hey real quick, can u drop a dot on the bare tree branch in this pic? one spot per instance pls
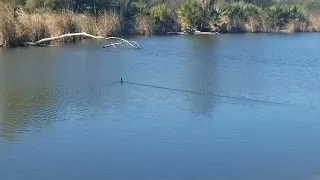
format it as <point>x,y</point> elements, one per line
<point>118,41</point>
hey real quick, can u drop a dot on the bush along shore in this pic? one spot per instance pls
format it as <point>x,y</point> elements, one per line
<point>32,20</point>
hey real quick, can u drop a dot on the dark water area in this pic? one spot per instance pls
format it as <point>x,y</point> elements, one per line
<point>191,107</point>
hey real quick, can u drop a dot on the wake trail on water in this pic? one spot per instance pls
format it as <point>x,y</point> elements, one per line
<point>209,94</point>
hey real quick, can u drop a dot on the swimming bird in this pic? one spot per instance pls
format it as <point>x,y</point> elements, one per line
<point>121,81</point>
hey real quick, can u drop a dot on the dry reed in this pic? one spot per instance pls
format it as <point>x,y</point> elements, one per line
<point>26,27</point>
<point>108,23</point>
<point>143,25</point>
<point>315,22</point>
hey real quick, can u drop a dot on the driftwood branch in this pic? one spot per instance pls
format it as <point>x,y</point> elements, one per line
<point>114,41</point>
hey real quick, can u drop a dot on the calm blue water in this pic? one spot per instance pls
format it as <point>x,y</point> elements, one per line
<point>191,107</point>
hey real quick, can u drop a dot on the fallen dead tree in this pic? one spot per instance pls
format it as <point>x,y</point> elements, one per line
<point>113,41</point>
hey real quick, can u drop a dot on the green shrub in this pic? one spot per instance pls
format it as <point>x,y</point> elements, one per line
<point>190,14</point>
<point>137,8</point>
<point>162,19</point>
<point>241,10</point>
<point>242,17</point>
<point>33,5</point>
<point>281,14</point>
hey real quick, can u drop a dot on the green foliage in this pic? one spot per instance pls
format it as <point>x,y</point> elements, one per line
<point>241,10</point>
<point>140,8</point>
<point>161,18</point>
<point>263,3</point>
<point>191,13</point>
<point>137,8</point>
<point>196,14</point>
<point>32,5</point>
<point>284,11</point>
<point>159,12</point>
<point>281,14</point>
<point>91,5</point>
<point>13,3</point>
<point>63,4</point>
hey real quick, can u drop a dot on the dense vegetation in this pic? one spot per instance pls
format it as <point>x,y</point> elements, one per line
<point>30,20</point>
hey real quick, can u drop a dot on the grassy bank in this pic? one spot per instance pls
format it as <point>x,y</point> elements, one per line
<point>30,27</point>
<point>24,25</point>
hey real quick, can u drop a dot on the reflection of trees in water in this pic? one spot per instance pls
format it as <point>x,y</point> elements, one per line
<point>18,110</point>
<point>35,91</point>
<point>23,79</point>
<point>202,72</point>
<point>28,109</point>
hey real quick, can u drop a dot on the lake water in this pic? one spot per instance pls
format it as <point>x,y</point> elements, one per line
<point>219,107</point>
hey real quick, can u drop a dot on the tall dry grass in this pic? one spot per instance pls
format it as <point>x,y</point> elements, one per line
<point>315,22</point>
<point>296,26</point>
<point>30,27</point>
<point>237,25</point>
<point>9,29</point>
<point>143,25</point>
<point>108,23</point>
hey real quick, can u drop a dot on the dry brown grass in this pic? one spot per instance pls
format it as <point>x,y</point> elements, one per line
<point>252,25</point>
<point>87,23</point>
<point>256,25</point>
<point>108,23</point>
<point>315,22</point>
<point>61,23</point>
<point>32,27</point>
<point>143,25</point>
<point>8,27</point>
<point>296,26</point>
<point>227,25</point>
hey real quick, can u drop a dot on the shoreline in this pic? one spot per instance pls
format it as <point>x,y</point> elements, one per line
<point>23,28</point>
<point>178,33</point>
